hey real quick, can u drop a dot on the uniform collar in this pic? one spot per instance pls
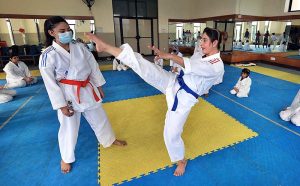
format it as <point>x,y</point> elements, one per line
<point>61,49</point>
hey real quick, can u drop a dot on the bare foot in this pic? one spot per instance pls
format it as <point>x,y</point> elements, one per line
<point>180,167</point>
<point>119,143</point>
<point>65,167</point>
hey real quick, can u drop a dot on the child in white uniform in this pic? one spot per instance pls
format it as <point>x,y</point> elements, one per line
<point>196,77</point>
<point>242,87</point>
<point>17,73</point>
<point>73,82</point>
<point>292,113</point>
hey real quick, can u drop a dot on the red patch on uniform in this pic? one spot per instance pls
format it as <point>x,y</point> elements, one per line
<point>214,60</point>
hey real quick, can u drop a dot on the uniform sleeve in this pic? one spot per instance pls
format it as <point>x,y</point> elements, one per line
<point>201,68</point>
<point>245,85</point>
<point>237,83</point>
<point>27,71</point>
<point>11,73</point>
<point>55,93</point>
<point>96,76</point>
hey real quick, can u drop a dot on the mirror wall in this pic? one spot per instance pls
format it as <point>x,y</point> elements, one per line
<point>31,31</point>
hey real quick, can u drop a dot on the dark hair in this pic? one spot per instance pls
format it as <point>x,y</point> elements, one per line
<point>213,35</point>
<point>13,54</point>
<point>247,41</point>
<point>246,71</point>
<point>49,24</point>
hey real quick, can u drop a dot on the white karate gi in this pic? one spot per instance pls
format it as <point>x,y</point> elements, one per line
<point>282,48</point>
<point>159,62</point>
<point>15,75</point>
<point>292,113</point>
<point>57,64</point>
<point>246,47</point>
<point>118,66</point>
<point>200,75</point>
<point>239,45</point>
<point>174,65</point>
<point>274,41</point>
<point>243,86</point>
<point>6,95</point>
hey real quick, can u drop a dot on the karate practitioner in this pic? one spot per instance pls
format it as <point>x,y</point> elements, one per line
<point>6,95</point>
<point>73,82</point>
<point>242,87</point>
<point>292,113</point>
<point>274,40</point>
<point>17,73</point>
<point>182,91</point>
<point>175,68</point>
<point>118,65</point>
<point>247,46</point>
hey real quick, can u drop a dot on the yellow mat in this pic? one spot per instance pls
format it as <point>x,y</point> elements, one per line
<point>140,121</point>
<point>275,73</point>
<point>37,72</point>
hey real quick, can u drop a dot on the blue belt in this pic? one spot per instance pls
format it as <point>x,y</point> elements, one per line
<point>184,87</point>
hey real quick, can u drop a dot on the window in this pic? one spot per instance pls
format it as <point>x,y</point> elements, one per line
<point>179,30</point>
<point>238,31</point>
<point>72,24</point>
<point>92,26</point>
<point>267,26</point>
<point>37,23</point>
<point>10,31</point>
<point>254,27</point>
<point>135,8</point>
<point>294,5</point>
<point>197,28</point>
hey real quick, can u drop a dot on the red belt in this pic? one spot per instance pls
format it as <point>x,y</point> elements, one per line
<point>80,84</point>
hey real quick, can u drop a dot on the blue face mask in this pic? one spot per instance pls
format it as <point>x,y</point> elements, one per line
<point>65,37</point>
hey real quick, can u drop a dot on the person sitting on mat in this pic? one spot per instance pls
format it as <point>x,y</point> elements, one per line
<point>17,73</point>
<point>242,87</point>
<point>6,95</point>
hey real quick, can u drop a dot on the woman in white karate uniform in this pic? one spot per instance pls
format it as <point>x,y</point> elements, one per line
<point>17,73</point>
<point>73,82</point>
<point>195,78</point>
<point>242,87</point>
<point>6,95</point>
<point>292,113</point>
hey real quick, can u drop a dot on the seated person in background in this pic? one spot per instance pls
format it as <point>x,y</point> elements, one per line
<point>247,45</point>
<point>242,87</point>
<point>234,44</point>
<point>118,65</point>
<point>174,66</point>
<point>6,95</point>
<point>282,47</point>
<point>239,45</point>
<point>17,73</point>
<point>292,113</point>
<point>159,62</point>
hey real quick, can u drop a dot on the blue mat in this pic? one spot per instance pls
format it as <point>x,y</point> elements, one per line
<point>30,154</point>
